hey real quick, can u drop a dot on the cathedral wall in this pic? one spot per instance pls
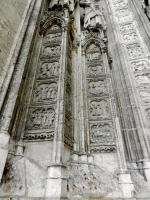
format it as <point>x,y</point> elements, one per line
<point>11,15</point>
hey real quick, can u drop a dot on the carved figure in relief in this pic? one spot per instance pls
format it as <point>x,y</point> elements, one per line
<point>126,28</point>
<point>45,92</point>
<point>100,133</point>
<point>99,109</point>
<point>58,4</point>
<point>123,19</point>
<point>53,37</point>
<point>140,65</point>
<point>143,78</point>
<point>96,87</point>
<point>130,37</point>
<point>93,15</point>
<point>134,50</point>
<point>122,12</point>
<point>49,69</point>
<point>51,51</point>
<point>95,70</point>
<point>41,118</point>
<point>93,56</point>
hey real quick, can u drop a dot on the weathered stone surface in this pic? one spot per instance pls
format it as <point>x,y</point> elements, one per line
<point>75,100</point>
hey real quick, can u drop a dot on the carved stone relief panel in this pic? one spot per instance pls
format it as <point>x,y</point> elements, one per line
<point>143,78</point>
<point>119,5</point>
<point>48,69</point>
<point>95,69</point>
<point>135,50</point>
<point>93,53</point>
<point>41,118</point>
<point>99,109</point>
<point>98,84</point>
<point>124,19</point>
<point>45,92</point>
<point>122,12</point>
<point>97,87</point>
<point>141,65</point>
<point>51,52</point>
<point>102,133</point>
<point>127,28</point>
<point>130,38</point>
<point>53,38</point>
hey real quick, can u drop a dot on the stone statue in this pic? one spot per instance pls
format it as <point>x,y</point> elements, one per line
<point>58,4</point>
<point>93,15</point>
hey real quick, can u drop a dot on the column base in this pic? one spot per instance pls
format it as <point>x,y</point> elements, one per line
<point>126,184</point>
<point>4,140</point>
<point>56,182</point>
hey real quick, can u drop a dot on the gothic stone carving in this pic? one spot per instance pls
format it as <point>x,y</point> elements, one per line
<point>126,28</point>
<point>51,52</point>
<point>143,78</point>
<point>40,136</point>
<point>103,149</point>
<point>48,69</point>
<point>135,50</point>
<point>95,69</point>
<point>99,109</point>
<point>130,38</point>
<point>97,87</point>
<point>141,65</point>
<point>45,92</point>
<point>40,118</point>
<point>102,133</point>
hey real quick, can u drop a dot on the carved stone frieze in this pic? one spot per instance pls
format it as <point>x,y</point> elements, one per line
<point>40,136</point>
<point>45,92</point>
<point>124,19</point>
<point>135,50</point>
<point>68,141</point>
<point>102,133</point>
<point>119,5</point>
<point>48,69</point>
<point>141,65</point>
<point>126,28</point>
<point>95,69</point>
<point>99,109</point>
<point>51,52</point>
<point>51,39</point>
<point>103,149</point>
<point>122,12</point>
<point>130,37</point>
<point>143,78</point>
<point>97,87</point>
<point>41,118</point>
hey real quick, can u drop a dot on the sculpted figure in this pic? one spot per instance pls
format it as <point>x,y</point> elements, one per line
<point>93,16</point>
<point>58,5</point>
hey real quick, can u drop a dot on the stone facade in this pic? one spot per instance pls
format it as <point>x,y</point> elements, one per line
<point>75,100</point>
